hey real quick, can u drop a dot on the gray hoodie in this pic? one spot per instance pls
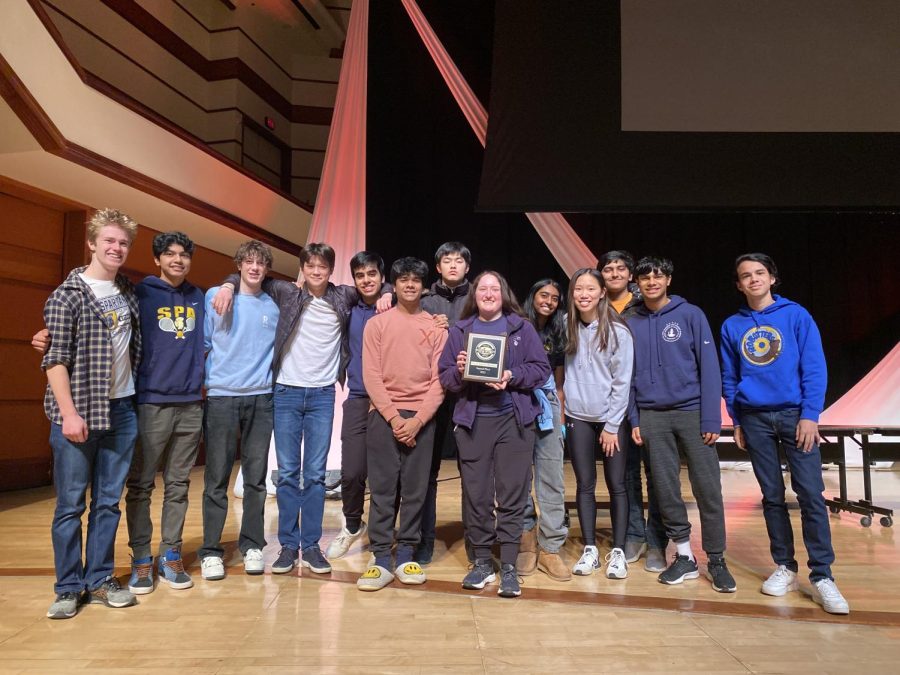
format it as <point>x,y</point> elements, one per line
<point>598,383</point>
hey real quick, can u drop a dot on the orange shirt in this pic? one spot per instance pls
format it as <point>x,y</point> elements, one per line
<point>620,304</point>
<point>400,363</point>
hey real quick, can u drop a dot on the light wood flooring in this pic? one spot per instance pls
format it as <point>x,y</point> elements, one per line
<point>321,624</point>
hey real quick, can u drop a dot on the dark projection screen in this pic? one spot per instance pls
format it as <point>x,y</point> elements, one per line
<point>683,105</point>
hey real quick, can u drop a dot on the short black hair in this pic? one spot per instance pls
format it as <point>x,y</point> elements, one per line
<point>651,263</point>
<point>409,265</point>
<point>324,251</point>
<point>612,256</point>
<point>163,240</point>
<point>366,259</point>
<point>449,247</point>
<point>764,260</point>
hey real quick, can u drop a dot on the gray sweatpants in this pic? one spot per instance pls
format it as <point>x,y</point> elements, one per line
<point>665,432</point>
<point>170,438</point>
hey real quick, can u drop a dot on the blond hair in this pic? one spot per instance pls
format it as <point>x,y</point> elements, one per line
<point>104,217</point>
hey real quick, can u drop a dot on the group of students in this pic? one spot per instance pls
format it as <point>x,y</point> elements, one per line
<point>628,371</point>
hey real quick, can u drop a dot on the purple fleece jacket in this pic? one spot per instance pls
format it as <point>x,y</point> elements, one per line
<point>525,358</point>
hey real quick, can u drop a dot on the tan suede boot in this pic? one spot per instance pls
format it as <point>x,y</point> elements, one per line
<point>553,566</point>
<point>526,562</point>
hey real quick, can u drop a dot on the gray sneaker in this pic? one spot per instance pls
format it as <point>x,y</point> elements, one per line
<point>64,607</point>
<point>656,560</point>
<point>509,582</point>
<point>481,574</point>
<point>634,550</point>
<point>109,593</point>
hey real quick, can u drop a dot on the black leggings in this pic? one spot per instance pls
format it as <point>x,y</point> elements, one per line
<point>583,441</point>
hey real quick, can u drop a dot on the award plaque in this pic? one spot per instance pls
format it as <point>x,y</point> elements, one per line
<point>486,357</point>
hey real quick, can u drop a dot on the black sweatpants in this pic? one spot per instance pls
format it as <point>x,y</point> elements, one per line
<point>495,464</point>
<point>394,466</point>
<point>353,460</point>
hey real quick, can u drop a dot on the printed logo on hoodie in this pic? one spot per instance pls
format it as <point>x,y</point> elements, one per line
<point>178,320</point>
<point>761,345</point>
<point>672,332</point>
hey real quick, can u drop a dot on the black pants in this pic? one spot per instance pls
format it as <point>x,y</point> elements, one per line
<point>495,464</point>
<point>394,466</point>
<point>353,460</point>
<point>444,446</point>
<point>583,440</point>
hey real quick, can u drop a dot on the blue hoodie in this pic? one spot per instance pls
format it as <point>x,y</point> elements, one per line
<point>676,365</point>
<point>171,369</point>
<point>772,360</point>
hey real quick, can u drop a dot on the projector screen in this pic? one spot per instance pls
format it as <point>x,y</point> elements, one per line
<point>642,105</point>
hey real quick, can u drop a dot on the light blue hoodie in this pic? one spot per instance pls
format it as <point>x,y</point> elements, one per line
<point>598,383</point>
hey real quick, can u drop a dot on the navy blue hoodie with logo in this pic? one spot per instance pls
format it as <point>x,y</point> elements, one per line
<point>171,369</point>
<point>676,364</point>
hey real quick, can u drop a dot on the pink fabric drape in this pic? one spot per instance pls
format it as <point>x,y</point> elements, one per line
<point>567,247</point>
<point>873,401</point>
<point>339,217</point>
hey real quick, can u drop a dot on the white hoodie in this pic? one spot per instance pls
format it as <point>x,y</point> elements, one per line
<point>598,383</point>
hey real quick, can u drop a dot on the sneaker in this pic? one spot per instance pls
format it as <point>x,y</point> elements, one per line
<point>826,593</point>
<point>253,561</point>
<point>424,553</point>
<point>634,550</point>
<point>681,568</point>
<point>171,570</point>
<point>781,581</point>
<point>64,607</point>
<point>717,572</point>
<point>313,559</point>
<point>616,565</point>
<point>374,578</point>
<point>588,562</point>
<point>481,574</point>
<point>553,566</point>
<point>212,568</point>
<point>141,580</point>
<point>344,541</point>
<point>509,582</point>
<point>410,573</point>
<point>111,594</point>
<point>656,560</point>
<point>286,561</point>
<point>527,560</point>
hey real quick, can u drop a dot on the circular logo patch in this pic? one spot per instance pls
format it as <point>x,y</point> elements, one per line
<point>761,345</point>
<point>485,350</point>
<point>672,332</point>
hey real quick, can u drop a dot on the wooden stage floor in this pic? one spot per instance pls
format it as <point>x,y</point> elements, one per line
<point>321,624</point>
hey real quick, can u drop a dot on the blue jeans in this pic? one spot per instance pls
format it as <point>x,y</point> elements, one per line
<point>101,463</point>
<point>302,414</point>
<point>763,431</point>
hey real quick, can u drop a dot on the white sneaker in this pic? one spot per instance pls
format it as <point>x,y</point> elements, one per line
<point>342,543</point>
<point>781,581</point>
<point>826,593</point>
<point>212,568</point>
<point>616,567</point>
<point>588,562</point>
<point>253,561</point>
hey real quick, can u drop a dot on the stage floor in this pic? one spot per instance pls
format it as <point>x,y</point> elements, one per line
<point>318,623</point>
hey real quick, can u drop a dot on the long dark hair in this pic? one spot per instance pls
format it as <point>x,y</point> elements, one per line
<point>508,299</point>
<point>556,322</point>
<point>606,315</point>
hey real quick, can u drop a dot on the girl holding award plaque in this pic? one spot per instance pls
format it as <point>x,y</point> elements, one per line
<point>494,360</point>
<point>599,364</point>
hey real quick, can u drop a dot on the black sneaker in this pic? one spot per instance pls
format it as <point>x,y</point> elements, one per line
<point>481,574</point>
<point>286,561</point>
<point>424,553</point>
<point>313,559</point>
<point>681,568</point>
<point>509,582</point>
<point>717,572</point>
<point>111,594</point>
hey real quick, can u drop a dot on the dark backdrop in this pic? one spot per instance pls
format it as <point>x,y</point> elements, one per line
<point>424,167</point>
